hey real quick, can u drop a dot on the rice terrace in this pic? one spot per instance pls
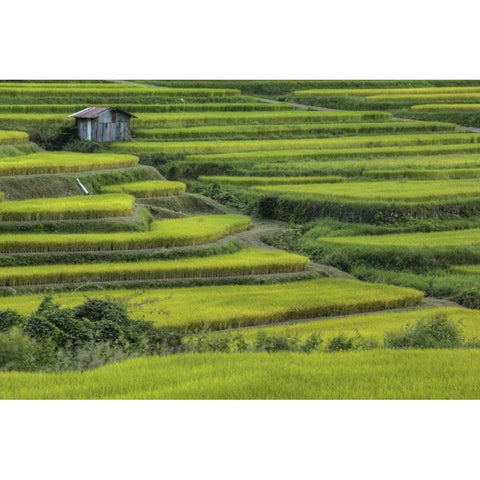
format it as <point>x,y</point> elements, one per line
<point>182,239</point>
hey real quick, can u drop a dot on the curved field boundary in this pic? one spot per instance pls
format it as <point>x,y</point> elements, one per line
<point>379,374</point>
<point>381,190</point>
<point>68,208</point>
<point>249,261</point>
<point>8,137</point>
<point>368,92</point>
<point>147,120</point>
<point>62,162</point>
<point>250,181</point>
<point>165,233</point>
<point>237,147</point>
<point>286,131</point>
<point>149,188</point>
<point>241,305</point>
<point>150,107</point>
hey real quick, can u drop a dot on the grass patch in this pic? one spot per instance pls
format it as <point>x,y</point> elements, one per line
<point>286,131</point>
<point>241,305</point>
<point>249,261</point>
<point>372,141</point>
<point>238,118</point>
<point>12,138</point>
<point>62,162</point>
<point>67,208</point>
<point>250,181</point>
<point>165,233</point>
<point>371,325</point>
<point>151,188</point>
<point>385,191</point>
<point>377,374</point>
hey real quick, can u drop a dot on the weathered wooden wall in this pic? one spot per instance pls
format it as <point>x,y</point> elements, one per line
<point>108,127</point>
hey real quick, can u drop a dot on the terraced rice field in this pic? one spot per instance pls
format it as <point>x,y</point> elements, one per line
<point>248,261</point>
<point>385,191</point>
<point>12,138</point>
<point>239,118</point>
<point>349,181</point>
<point>288,131</point>
<point>380,374</point>
<point>152,188</point>
<point>226,306</point>
<point>60,162</point>
<point>165,233</point>
<point>359,167</point>
<point>423,240</point>
<point>370,325</point>
<point>221,146</point>
<point>250,181</point>
<point>84,207</point>
<point>67,109</point>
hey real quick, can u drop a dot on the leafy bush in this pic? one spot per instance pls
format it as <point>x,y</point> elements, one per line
<point>17,350</point>
<point>435,332</point>
<point>9,318</point>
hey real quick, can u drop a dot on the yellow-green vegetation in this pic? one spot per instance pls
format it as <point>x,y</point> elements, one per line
<point>29,119</point>
<point>371,325</point>
<point>248,181</point>
<point>466,269</point>
<point>165,233</point>
<point>58,162</point>
<point>121,91</point>
<point>150,188</point>
<point>287,130</point>
<point>368,141</point>
<point>377,374</point>
<point>148,107</point>
<point>422,173</point>
<point>230,306</point>
<point>255,157</point>
<point>8,137</point>
<point>249,261</point>
<point>363,167</point>
<point>68,208</point>
<point>190,119</point>
<point>424,240</point>
<point>385,191</point>
<point>447,107</point>
<point>434,97</point>
<point>368,92</point>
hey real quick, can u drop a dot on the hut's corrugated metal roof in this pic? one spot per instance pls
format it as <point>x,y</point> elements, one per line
<point>94,112</point>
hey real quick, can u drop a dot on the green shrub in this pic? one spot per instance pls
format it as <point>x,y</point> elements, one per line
<point>9,318</point>
<point>17,350</point>
<point>435,332</point>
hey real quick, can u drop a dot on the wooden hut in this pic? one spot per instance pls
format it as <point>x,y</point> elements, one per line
<point>103,124</point>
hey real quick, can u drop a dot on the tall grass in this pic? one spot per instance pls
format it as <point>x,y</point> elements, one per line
<point>149,188</point>
<point>67,208</point>
<point>370,325</point>
<point>381,190</point>
<point>368,92</point>
<point>230,306</point>
<point>376,374</point>
<point>165,233</point>
<point>151,120</point>
<point>12,137</point>
<point>250,261</point>
<point>60,162</point>
<point>253,157</point>
<point>226,146</point>
<point>250,181</point>
<point>290,130</point>
<point>149,107</point>
<point>447,107</point>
